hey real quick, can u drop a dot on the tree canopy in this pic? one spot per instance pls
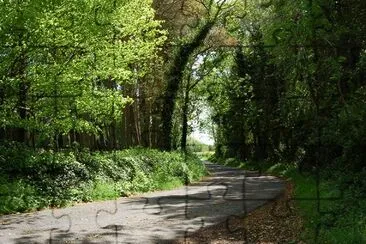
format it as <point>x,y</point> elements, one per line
<point>279,78</point>
<point>65,63</point>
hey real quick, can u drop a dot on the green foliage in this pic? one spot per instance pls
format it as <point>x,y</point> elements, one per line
<point>345,222</point>
<point>102,190</point>
<point>37,179</point>
<point>65,62</point>
<point>18,196</point>
<point>295,93</point>
<point>342,220</point>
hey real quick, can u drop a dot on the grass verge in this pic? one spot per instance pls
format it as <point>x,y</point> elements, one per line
<point>339,216</point>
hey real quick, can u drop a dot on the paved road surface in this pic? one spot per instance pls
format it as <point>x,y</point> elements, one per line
<point>148,218</point>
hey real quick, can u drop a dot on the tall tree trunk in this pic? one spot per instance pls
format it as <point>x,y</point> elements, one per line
<point>174,78</point>
<point>124,129</point>
<point>136,108</point>
<point>19,71</point>
<point>2,129</point>
<point>183,143</point>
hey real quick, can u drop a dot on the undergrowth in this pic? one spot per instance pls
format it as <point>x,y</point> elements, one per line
<point>35,179</point>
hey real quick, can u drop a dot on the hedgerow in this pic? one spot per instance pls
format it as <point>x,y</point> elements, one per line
<point>34,179</point>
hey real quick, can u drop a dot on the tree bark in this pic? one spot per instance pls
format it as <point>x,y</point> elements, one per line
<point>174,78</point>
<point>19,70</point>
<point>183,143</point>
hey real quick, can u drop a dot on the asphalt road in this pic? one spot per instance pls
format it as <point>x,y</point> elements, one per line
<point>156,217</point>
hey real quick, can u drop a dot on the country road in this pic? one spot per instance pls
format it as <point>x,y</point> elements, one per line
<point>156,217</point>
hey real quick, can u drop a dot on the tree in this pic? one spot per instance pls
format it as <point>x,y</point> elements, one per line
<point>204,63</point>
<point>293,81</point>
<point>179,62</point>
<point>66,63</point>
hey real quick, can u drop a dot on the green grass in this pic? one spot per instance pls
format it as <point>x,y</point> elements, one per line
<point>103,190</point>
<point>169,184</point>
<point>337,221</point>
<point>32,180</point>
<point>341,218</point>
<point>332,221</point>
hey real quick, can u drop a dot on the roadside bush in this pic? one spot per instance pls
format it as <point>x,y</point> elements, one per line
<point>34,179</point>
<point>18,196</point>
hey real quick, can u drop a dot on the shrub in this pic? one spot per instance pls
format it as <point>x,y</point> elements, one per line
<point>34,179</point>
